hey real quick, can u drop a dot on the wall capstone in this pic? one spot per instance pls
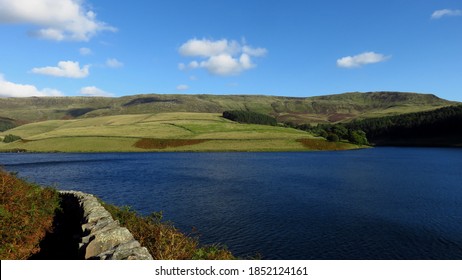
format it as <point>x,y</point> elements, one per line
<point>103,238</point>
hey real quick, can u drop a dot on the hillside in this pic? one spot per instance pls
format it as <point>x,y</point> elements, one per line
<point>440,127</point>
<point>161,132</point>
<point>321,109</point>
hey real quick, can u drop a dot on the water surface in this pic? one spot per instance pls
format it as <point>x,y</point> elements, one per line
<point>381,203</point>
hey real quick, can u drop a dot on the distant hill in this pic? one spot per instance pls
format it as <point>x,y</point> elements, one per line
<point>320,109</point>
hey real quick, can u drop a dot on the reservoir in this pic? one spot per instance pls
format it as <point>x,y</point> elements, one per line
<point>380,203</point>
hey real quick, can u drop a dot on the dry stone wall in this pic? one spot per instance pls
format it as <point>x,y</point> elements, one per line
<point>103,238</point>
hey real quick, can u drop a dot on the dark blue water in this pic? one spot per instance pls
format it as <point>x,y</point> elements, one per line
<point>382,203</point>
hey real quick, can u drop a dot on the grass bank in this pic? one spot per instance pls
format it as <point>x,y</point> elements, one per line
<point>163,240</point>
<point>27,212</point>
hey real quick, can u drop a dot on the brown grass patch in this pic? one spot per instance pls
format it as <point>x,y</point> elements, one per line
<point>339,117</point>
<point>26,215</point>
<point>322,145</point>
<point>150,143</point>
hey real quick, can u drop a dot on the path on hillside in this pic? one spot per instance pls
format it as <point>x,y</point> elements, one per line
<point>63,242</point>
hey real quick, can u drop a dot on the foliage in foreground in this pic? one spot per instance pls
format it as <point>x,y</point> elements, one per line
<point>26,215</point>
<point>162,239</point>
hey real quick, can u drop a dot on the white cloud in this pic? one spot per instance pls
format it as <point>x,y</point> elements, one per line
<point>445,12</point>
<point>68,69</point>
<point>114,63</point>
<point>221,57</point>
<point>57,20</point>
<point>182,87</point>
<point>85,51</point>
<point>361,59</point>
<point>94,91</point>
<point>254,51</point>
<point>207,48</point>
<point>10,89</point>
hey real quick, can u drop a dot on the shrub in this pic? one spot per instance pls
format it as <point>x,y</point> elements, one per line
<point>11,138</point>
<point>357,137</point>
<point>331,137</point>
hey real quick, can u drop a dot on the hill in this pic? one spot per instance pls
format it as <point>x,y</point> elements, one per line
<point>161,132</point>
<point>320,109</point>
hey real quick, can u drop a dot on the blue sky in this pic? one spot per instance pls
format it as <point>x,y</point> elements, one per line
<point>287,48</point>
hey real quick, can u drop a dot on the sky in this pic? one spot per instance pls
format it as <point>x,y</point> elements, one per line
<point>296,48</point>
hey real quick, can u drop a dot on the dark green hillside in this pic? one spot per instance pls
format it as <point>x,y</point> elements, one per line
<point>249,117</point>
<point>441,127</point>
<point>6,123</point>
<point>320,109</point>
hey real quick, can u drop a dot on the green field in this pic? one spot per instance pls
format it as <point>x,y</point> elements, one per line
<point>121,133</point>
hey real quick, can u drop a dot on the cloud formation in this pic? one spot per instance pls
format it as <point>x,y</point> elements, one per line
<point>114,63</point>
<point>446,13</point>
<point>221,57</point>
<point>94,91</point>
<point>10,89</point>
<point>67,69</point>
<point>57,20</point>
<point>361,60</point>
<point>182,87</point>
<point>85,51</point>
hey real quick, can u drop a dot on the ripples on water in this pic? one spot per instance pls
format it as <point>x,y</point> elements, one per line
<point>382,203</point>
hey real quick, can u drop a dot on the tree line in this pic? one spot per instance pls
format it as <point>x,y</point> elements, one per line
<point>443,122</point>
<point>334,132</point>
<point>249,117</point>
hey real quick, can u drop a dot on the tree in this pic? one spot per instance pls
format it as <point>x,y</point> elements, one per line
<point>11,138</point>
<point>357,137</point>
<point>332,137</point>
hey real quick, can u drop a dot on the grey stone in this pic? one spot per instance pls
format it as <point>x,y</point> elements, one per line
<point>107,240</point>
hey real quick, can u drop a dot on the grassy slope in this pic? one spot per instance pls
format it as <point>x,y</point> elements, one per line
<point>120,133</point>
<point>330,108</point>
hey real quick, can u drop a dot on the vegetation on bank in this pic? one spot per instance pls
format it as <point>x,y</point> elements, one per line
<point>163,240</point>
<point>149,143</point>
<point>26,216</point>
<point>319,145</point>
<point>335,132</point>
